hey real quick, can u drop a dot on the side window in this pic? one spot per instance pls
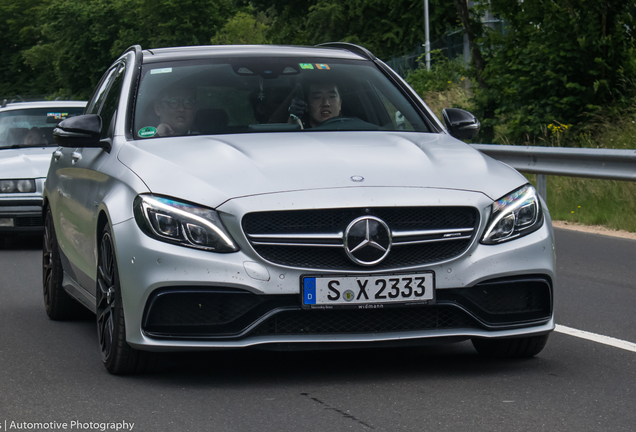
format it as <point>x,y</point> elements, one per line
<point>111,102</point>
<point>98,98</point>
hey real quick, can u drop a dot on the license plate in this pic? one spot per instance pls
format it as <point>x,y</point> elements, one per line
<point>320,292</point>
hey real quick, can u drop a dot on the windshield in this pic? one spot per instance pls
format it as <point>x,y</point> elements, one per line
<point>32,127</point>
<point>283,94</point>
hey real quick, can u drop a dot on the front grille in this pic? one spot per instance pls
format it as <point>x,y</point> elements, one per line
<point>351,321</point>
<point>336,259</point>
<point>335,220</point>
<point>33,221</point>
<point>314,238</point>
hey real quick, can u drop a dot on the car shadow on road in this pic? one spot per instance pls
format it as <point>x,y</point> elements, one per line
<point>248,367</point>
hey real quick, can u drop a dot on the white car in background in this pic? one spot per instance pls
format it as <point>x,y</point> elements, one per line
<point>26,144</point>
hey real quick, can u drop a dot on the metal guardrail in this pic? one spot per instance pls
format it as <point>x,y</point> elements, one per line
<point>608,164</point>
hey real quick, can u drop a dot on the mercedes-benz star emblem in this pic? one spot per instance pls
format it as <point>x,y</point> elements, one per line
<point>367,240</point>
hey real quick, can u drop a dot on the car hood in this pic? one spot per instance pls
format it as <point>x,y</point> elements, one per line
<point>30,162</point>
<point>213,169</point>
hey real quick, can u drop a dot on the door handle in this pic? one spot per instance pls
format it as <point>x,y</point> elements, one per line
<point>57,155</point>
<point>75,156</point>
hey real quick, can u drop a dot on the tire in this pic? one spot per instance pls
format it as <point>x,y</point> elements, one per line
<point>57,303</point>
<point>523,347</point>
<point>118,357</point>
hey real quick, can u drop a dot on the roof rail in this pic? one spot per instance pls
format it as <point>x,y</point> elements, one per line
<point>136,48</point>
<point>362,52</point>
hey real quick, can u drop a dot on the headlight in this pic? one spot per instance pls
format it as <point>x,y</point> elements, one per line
<point>515,215</point>
<point>15,186</point>
<point>182,223</point>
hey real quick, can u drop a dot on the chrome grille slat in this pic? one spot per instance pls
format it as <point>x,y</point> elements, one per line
<point>414,242</point>
<point>336,236</point>
<point>298,244</point>
<point>430,232</point>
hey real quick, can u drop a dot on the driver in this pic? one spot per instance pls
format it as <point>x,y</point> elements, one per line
<point>176,108</point>
<point>34,137</point>
<point>323,103</point>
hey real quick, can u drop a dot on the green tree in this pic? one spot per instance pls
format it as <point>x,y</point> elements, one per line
<point>81,38</point>
<point>19,30</point>
<point>76,43</point>
<point>386,27</point>
<point>558,62</point>
<point>243,28</point>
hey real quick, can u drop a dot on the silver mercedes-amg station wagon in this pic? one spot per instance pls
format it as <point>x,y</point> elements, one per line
<point>286,198</point>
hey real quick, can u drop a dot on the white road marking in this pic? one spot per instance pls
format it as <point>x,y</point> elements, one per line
<point>618,343</point>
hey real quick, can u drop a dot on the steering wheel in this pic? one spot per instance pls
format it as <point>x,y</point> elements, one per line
<point>334,120</point>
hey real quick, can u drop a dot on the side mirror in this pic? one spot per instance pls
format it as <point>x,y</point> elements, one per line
<point>460,123</point>
<point>79,131</point>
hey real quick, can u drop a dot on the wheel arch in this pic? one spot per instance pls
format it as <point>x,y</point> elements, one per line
<point>45,206</point>
<point>102,220</point>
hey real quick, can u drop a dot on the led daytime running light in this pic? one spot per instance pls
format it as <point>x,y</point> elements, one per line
<point>512,206</point>
<point>151,209</point>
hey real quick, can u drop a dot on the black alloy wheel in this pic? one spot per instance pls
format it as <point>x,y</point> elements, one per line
<point>106,296</point>
<point>57,303</point>
<point>118,357</point>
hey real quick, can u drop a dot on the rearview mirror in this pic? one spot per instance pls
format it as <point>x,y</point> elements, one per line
<point>460,123</point>
<point>79,131</point>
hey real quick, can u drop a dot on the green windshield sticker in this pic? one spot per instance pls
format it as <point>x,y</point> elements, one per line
<point>147,132</point>
<point>306,66</point>
<point>158,71</point>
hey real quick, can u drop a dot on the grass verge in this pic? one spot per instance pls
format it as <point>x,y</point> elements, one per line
<point>609,203</point>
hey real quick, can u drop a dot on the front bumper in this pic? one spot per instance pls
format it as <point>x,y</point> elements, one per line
<point>149,269</point>
<point>22,212</point>
<point>21,215</point>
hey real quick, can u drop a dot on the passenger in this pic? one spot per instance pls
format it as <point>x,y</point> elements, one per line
<point>34,137</point>
<point>323,103</point>
<point>176,108</point>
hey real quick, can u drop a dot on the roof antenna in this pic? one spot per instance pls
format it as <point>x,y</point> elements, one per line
<point>21,98</point>
<point>4,103</point>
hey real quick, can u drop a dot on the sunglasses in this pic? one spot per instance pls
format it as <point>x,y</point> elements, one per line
<point>174,103</point>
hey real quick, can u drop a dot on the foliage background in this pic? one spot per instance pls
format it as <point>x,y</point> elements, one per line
<point>570,64</point>
<point>565,62</point>
<point>61,47</point>
<point>561,73</point>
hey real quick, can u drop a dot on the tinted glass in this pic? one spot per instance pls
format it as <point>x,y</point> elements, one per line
<point>98,98</point>
<point>111,102</point>
<point>32,127</point>
<point>256,95</point>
